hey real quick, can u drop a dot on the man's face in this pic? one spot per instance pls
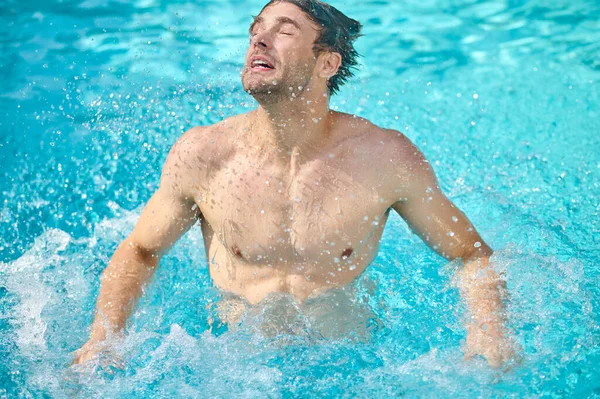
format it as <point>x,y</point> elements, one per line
<point>280,55</point>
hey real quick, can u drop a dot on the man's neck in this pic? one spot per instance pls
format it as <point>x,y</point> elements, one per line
<point>294,126</point>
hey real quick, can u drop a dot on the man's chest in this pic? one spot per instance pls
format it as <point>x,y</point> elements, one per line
<point>325,213</point>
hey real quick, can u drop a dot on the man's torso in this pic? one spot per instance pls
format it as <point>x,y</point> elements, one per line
<point>298,228</point>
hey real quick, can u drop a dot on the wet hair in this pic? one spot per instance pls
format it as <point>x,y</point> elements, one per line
<point>338,33</point>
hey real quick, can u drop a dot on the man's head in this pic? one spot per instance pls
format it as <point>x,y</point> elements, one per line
<point>297,44</point>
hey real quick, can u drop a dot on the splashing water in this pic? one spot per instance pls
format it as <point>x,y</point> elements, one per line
<point>503,100</point>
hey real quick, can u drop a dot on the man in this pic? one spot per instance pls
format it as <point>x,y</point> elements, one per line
<point>293,197</point>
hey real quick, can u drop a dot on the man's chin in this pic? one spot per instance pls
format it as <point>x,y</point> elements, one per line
<point>261,88</point>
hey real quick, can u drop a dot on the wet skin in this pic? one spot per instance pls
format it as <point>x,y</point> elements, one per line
<point>276,224</point>
<point>293,198</point>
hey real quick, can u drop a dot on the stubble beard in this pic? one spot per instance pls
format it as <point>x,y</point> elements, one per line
<point>288,87</point>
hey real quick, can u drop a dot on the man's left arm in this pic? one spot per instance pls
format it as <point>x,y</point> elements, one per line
<point>434,218</point>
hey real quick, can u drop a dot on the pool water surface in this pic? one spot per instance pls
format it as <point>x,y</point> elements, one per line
<point>501,96</point>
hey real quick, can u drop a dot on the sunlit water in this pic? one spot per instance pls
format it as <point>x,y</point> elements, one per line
<point>501,96</point>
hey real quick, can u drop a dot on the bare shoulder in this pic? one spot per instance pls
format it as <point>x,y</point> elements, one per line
<point>353,126</point>
<point>393,160</point>
<point>200,151</point>
<point>402,151</point>
<point>202,145</point>
<point>388,144</point>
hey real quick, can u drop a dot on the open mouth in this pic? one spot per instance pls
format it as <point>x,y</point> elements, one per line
<point>260,64</point>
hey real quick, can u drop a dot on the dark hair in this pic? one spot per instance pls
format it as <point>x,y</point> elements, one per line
<point>338,33</point>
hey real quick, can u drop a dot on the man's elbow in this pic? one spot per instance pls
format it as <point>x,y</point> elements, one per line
<point>131,250</point>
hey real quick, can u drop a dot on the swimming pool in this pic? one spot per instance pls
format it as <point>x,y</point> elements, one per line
<point>501,96</point>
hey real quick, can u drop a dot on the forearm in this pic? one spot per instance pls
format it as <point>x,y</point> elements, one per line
<point>122,284</point>
<point>483,290</point>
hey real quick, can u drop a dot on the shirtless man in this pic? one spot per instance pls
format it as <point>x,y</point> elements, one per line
<point>293,197</point>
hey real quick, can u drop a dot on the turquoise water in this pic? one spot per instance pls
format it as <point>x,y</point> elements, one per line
<point>501,96</point>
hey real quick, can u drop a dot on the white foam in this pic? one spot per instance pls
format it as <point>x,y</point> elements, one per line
<point>23,278</point>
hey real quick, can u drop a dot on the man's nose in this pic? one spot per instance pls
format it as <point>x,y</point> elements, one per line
<point>262,40</point>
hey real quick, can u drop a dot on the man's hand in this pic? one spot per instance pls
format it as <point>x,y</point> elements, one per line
<point>491,341</point>
<point>89,351</point>
<point>101,353</point>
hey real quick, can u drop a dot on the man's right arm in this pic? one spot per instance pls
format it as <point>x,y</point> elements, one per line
<point>167,216</point>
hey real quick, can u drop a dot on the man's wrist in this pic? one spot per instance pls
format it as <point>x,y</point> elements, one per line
<point>494,327</point>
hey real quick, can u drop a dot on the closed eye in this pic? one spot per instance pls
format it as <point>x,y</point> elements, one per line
<point>287,29</point>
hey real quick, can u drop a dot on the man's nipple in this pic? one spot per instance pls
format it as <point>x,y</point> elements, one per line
<point>346,254</point>
<point>237,251</point>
